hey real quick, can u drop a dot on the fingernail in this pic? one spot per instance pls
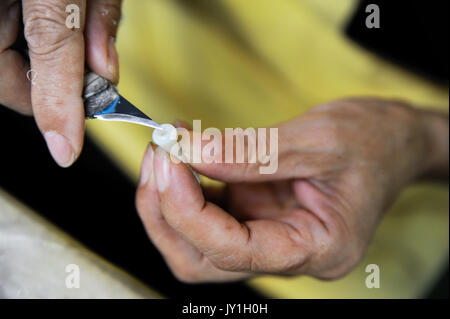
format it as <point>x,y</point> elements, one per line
<point>147,166</point>
<point>60,148</point>
<point>113,59</point>
<point>162,169</point>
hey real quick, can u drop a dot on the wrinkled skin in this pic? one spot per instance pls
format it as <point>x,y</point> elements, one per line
<point>340,167</point>
<point>57,58</point>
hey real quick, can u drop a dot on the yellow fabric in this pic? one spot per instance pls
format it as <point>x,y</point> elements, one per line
<point>255,63</point>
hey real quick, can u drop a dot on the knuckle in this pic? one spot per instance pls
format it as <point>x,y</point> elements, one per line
<point>356,249</point>
<point>345,267</point>
<point>331,133</point>
<point>351,250</point>
<point>48,103</point>
<point>226,265</point>
<point>249,170</point>
<point>186,273</point>
<point>45,29</point>
<point>49,110</point>
<point>333,274</point>
<point>50,115</point>
<point>230,262</point>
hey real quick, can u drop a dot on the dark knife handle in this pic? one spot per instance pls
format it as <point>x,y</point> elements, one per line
<point>98,94</point>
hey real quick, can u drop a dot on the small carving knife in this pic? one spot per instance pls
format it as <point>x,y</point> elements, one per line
<point>103,101</point>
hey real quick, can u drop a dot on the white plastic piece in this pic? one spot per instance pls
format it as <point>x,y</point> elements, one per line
<point>167,139</point>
